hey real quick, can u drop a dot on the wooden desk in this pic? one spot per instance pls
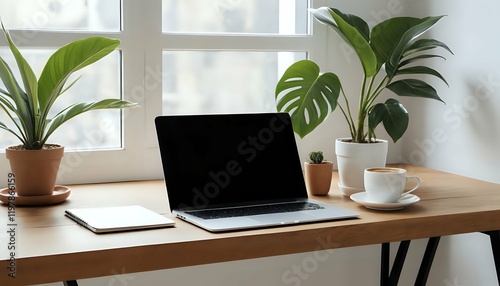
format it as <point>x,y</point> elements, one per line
<point>49,245</point>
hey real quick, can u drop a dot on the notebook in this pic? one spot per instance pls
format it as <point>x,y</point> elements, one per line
<point>121,218</point>
<point>237,171</point>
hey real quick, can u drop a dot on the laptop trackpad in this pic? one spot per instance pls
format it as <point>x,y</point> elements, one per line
<point>294,217</point>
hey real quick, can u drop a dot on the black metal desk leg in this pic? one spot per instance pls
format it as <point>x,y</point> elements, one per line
<point>495,247</point>
<point>399,261</point>
<point>425,266</point>
<point>392,279</point>
<point>384,266</point>
<point>70,283</point>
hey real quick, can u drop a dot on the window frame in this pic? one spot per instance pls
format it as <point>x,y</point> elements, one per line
<point>142,46</point>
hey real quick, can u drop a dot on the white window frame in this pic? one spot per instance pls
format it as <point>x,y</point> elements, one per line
<point>142,45</point>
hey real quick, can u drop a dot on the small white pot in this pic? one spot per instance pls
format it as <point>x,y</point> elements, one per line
<point>354,158</point>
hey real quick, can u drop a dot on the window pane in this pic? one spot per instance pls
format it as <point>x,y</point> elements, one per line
<point>286,17</point>
<point>89,15</point>
<point>92,130</point>
<point>221,82</point>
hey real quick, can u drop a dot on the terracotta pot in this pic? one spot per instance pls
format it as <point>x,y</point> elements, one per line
<point>318,177</point>
<point>35,170</point>
<point>354,158</point>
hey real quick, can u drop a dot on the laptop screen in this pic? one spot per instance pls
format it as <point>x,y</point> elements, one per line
<point>229,159</point>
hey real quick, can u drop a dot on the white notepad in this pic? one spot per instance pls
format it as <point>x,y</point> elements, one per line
<point>121,218</point>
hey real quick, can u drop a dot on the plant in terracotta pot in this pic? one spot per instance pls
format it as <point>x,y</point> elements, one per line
<point>318,174</point>
<point>391,54</point>
<point>28,102</point>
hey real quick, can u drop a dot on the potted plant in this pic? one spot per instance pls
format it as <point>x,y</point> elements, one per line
<point>318,174</point>
<point>28,101</point>
<point>390,54</point>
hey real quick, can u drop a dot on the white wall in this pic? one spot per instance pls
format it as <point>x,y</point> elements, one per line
<point>461,137</point>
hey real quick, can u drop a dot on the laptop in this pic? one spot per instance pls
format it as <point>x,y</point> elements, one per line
<point>227,172</point>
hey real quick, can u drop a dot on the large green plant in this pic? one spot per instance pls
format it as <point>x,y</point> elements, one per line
<point>29,108</point>
<point>388,55</point>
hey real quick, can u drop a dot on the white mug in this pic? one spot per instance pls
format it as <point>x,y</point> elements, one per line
<point>387,185</point>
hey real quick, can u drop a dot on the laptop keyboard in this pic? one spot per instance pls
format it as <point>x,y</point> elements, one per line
<point>255,210</point>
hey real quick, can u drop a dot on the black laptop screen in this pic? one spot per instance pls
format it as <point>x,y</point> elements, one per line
<point>226,159</point>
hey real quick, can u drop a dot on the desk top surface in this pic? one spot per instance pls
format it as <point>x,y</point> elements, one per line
<point>450,204</point>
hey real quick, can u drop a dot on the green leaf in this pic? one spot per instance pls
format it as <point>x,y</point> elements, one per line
<point>421,70</point>
<point>408,37</point>
<point>413,88</point>
<point>19,98</point>
<point>11,111</point>
<point>67,60</point>
<point>425,44</point>
<point>359,24</point>
<point>14,90</point>
<point>28,76</point>
<point>307,95</point>
<point>4,127</point>
<point>323,16</point>
<point>393,115</point>
<point>77,109</point>
<point>386,35</point>
<point>417,58</point>
<point>7,104</point>
<point>354,31</point>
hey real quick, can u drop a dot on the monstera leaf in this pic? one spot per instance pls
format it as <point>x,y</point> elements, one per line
<point>307,95</point>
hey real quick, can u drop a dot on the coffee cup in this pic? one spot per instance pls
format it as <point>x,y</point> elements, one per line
<point>387,185</point>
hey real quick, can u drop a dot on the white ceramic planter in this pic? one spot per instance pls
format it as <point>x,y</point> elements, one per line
<point>354,158</point>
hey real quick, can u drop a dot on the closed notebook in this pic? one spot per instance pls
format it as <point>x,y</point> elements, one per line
<point>121,218</point>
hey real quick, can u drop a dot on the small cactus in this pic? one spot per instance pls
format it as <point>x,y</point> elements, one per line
<point>315,157</point>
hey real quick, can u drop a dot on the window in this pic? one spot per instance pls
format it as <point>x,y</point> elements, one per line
<point>206,77</point>
<point>220,81</point>
<point>57,15</point>
<point>284,17</point>
<point>176,56</point>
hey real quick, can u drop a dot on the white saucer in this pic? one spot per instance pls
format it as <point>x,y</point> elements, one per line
<point>406,200</point>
